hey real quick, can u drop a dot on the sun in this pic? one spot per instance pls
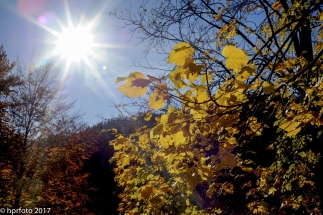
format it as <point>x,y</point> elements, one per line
<point>74,41</point>
<point>74,44</point>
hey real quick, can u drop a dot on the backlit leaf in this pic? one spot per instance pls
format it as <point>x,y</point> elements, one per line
<point>179,138</point>
<point>294,132</point>
<point>235,57</point>
<point>202,97</point>
<point>272,190</point>
<point>146,191</point>
<point>140,82</point>
<point>245,73</point>
<point>135,86</point>
<point>175,77</point>
<point>268,87</point>
<point>232,140</point>
<point>157,98</point>
<point>179,53</point>
<point>125,161</point>
<point>289,125</point>
<point>156,101</point>
<point>148,116</point>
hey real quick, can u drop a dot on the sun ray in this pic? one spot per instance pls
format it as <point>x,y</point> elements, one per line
<point>97,17</point>
<point>107,45</point>
<point>68,14</point>
<point>66,70</point>
<point>88,63</point>
<point>44,27</point>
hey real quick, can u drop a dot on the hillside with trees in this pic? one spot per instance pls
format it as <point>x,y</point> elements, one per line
<point>49,157</point>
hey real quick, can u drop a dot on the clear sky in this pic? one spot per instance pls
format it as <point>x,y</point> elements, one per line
<point>29,26</point>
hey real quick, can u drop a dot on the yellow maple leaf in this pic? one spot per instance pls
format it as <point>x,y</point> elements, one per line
<point>198,113</point>
<point>232,140</point>
<point>156,101</point>
<point>206,77</point>
<point>289,125</point>
<point>212,189</point>
<point>135,86</point>
<point>179,138</point>
<point>268,87</point>
<point>245,73</point>
<point>272,190</point>
<point>145,193</point>
<point>119,142</point>
<point>202,97</point>
<point>125,161</point>
<point>175,77</point>
<point>235,57</point>
<point>157,98</point>
<point>165,141</point>
<point>148,116</point>
<point>179,53</point>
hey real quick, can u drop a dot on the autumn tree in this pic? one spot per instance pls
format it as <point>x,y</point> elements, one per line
<point>10,140</point>
<point>40,109</point>
<point>243,130</point>
<point>40,100</point>
<point>64,186</point>
<point>75,175</point>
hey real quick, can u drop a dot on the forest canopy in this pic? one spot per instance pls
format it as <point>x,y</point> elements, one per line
<point>240,129</point>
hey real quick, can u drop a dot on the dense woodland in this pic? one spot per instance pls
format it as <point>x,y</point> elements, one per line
<point>232,125</point>
<point>49,157</point>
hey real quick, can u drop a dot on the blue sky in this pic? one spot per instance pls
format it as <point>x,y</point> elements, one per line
<point>27,27</point>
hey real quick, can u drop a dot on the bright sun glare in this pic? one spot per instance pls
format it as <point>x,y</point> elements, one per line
<point>74,44</point>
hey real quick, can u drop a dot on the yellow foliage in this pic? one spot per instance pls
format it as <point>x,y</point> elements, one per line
<point>179,138</point>
<point>179,53</point>
<point>255,126</point>
<point>202,97</point>
<point>245,72</point>
<point>268,87</point>
<point>119,142</point>
<point>212,189</point>
<point>175,77</point>
<point>230,97</point>
<point>207,77</point>
<point>235,58</point>
<point>156,101</point>
<point>157,98</point>
<point>135,86</point>
<point>179,142</point>
<point>232,140</point>
<point>146,192</point>
<point>148,116</point>
<point>125,160</point>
